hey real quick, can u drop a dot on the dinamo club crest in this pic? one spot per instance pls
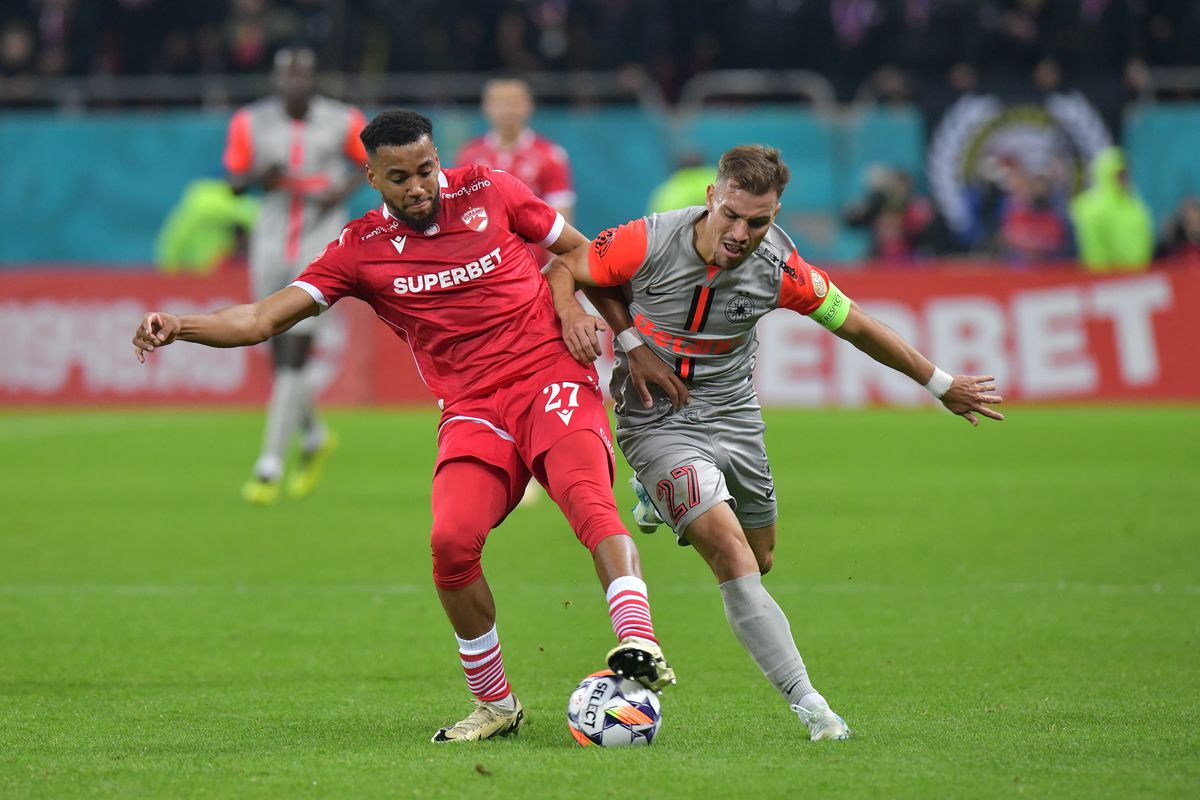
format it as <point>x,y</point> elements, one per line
<point>476,219</point>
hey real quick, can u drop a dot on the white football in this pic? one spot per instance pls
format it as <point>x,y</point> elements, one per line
<point>612,712</point>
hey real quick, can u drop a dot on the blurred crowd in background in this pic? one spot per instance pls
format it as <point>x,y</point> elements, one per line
<point>922,54</point>
<point>890,48</point>
<point>1021,218</point>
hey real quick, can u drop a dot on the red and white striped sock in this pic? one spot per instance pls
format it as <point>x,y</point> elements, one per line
<point>629,608</point>
<point>484,667</point>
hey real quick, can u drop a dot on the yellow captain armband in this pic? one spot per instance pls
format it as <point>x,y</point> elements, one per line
<point>833,312</point>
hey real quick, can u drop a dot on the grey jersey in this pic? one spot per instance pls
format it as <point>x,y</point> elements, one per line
<point>315,153</point>
<point>701,319</point>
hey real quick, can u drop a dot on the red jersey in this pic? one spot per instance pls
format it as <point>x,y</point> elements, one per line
<point>464,293</point>
<point>536,160</point>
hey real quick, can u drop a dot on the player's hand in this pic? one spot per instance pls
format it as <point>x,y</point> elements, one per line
<point>646,368</point>
<point>581,332</point>
<point>328,199</point>
<point>157,330</point>
<point>969,395</point>
<point>272,176</point>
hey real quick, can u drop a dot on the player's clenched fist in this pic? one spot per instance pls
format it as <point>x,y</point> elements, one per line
<point>157,329</point>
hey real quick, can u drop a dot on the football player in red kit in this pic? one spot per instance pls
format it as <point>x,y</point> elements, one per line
<point>445,262</point>
<point>511,145</point>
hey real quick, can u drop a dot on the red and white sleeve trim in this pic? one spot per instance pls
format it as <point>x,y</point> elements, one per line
<point>313,292</point>
<point>555,231</point>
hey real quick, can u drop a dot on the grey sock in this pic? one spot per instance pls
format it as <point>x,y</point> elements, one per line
<point>761,627</point>
<point>312,432</point>
<point>289,397</point>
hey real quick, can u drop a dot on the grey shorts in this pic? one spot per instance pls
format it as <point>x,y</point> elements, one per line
<point>701,456</point>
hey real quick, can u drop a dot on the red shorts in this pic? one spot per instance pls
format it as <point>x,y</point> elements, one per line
<point>518,423</point>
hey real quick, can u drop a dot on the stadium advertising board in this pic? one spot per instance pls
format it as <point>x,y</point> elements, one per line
<point>1052,335</point>
<point>1046,335</point>
<point>65,339</point>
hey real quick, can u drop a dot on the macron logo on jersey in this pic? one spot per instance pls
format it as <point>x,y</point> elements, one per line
<point>398,243</point>
<point>447,277</point>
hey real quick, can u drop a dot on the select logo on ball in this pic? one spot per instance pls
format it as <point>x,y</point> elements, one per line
<point>610,711</point>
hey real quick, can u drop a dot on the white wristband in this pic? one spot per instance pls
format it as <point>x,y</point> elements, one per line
<point>939,383</point>
<point>629,339</point>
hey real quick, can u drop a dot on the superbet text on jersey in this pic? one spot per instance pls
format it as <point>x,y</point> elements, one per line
<point>464,292</point>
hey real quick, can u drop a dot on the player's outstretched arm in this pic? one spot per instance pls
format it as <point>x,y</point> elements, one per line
<point>965,395</point>
<point>235,326</point>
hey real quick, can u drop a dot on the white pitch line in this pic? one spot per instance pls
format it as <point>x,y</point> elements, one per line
<point>566,590</point>
<point>18,428</point>
<point>168,590</point>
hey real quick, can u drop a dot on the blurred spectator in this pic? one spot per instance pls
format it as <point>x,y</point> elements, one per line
<point>68,44</point>
<point>934,43</point>
<point>613,34</point>
<point>208,225</point>
<point>1171,31</point>
<point>850,35</point>
<point>18,50</point>
<point>901,223</point>
<point>987,197</point>
<point>1097,46</point>
<point>1034,227</point>
<point>1181,236</point>
<point>889,86</point>
<point>516,39</point>
<point>381,36</point>
<point>767,34</point>
<point>930,36</point>
<point>1014,40</point>
<point>686,186</point>
<point>141,30</point>
<point>1112,223</point>
<point>254,31</point>
<point>1094,41</point>
<point>316,23</point>
<point>1054,46</point>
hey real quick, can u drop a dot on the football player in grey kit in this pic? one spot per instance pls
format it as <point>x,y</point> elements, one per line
<point>688,419</point>
<point>303,151</point>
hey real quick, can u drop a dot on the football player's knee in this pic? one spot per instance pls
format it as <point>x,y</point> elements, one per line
<point>730,548</point>
<point>727,551</point>
<point>766,560</point>
<point>456,547</point>
<point>590,509</point>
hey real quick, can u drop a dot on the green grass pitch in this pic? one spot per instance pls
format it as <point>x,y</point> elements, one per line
<point>1002,612</point>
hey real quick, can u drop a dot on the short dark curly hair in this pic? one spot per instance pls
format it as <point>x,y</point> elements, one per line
<point>395,128</point>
